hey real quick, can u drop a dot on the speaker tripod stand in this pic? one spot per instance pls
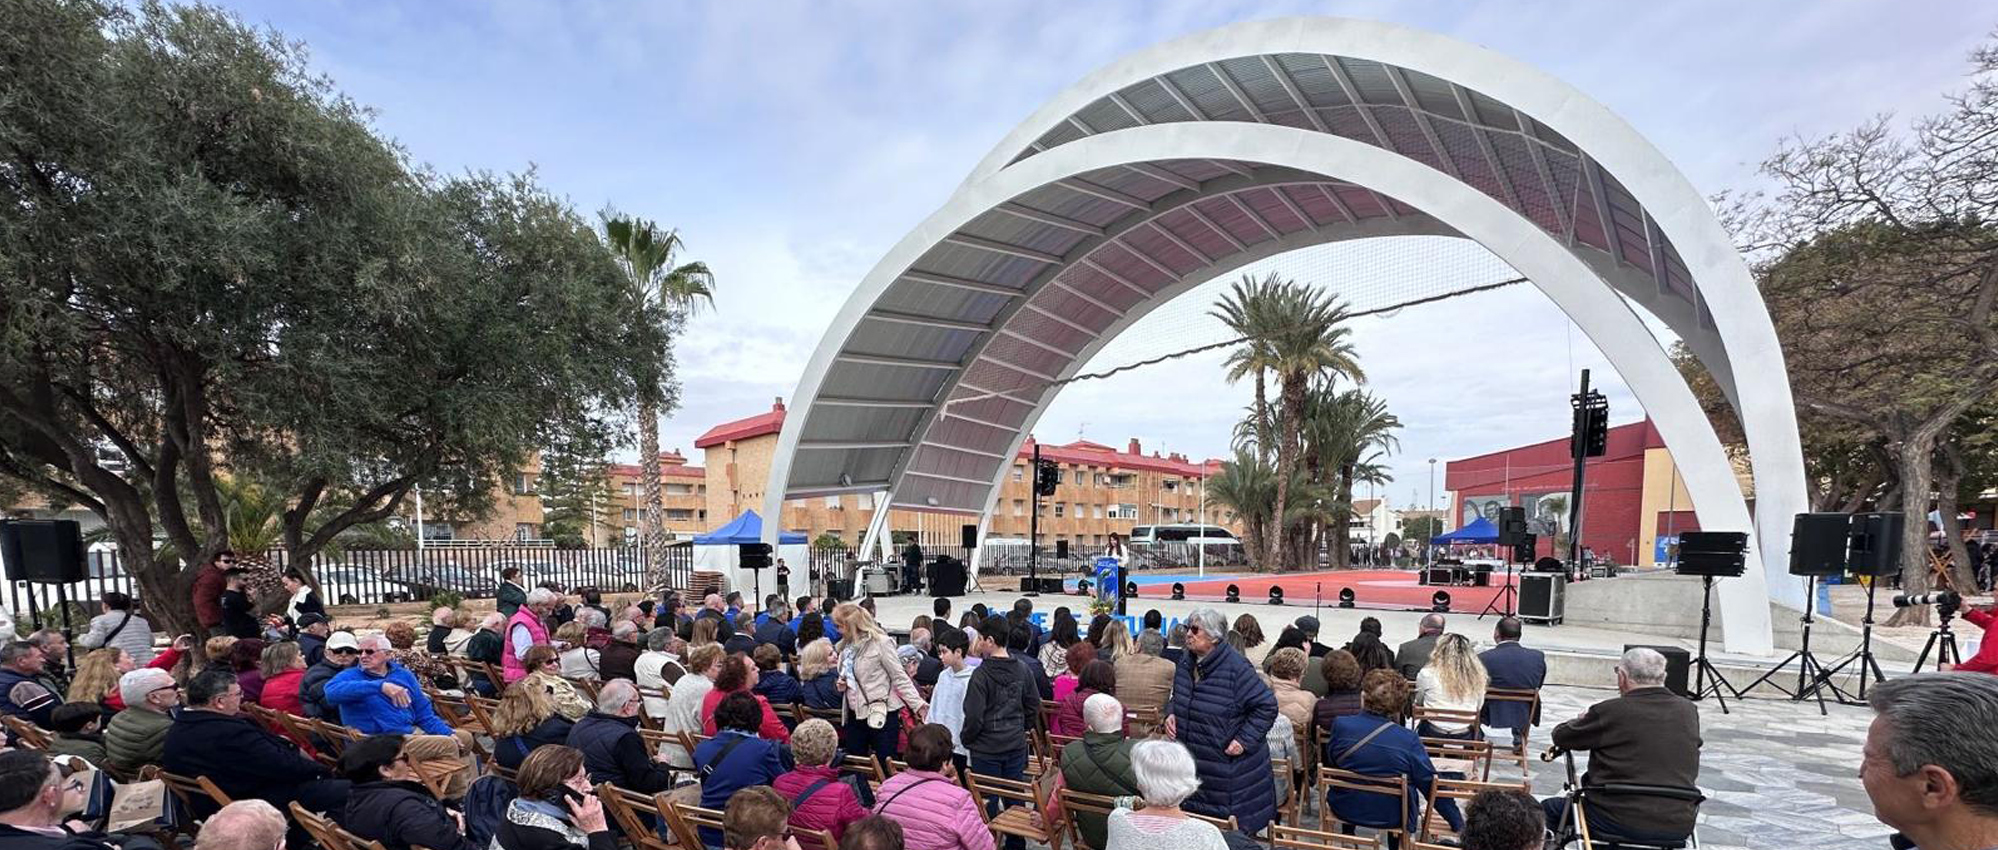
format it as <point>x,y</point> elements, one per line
<point>1869,669</point>
<point>1808,666</point>
<point>1509,594</point>
<point>1707,679</point>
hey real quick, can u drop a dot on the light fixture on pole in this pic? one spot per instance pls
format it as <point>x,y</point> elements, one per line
<point>1432,484</point>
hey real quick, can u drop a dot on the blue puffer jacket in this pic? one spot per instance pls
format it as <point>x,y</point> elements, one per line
<point>358,695</point>
<point>1216,700</point>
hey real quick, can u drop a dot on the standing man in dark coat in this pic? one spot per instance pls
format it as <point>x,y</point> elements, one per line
<point>912,566</point>
<point>207,592</point>
<point>1647,736</point>
<point>1513,667</point>
<point>1222,712</point>
<point>512,594</point>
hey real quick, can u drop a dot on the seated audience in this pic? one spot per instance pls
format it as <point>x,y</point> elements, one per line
<point>1503,820</point>
<point>556,808</point>
<point>1099,677</point>
<point>1646,736</point>
<point>313,629</point>
<point>283,666</point>
<point>1286,673</point>
<point>543,665</point>
<point>873,832</point>
<point>1308,625</point>
<point>441,620</point>
<point>1414,654</point>
<point>738,676</point>
<point>683,707</point>
<point>1368,650</point>
<point>1515,667</point>
<point>659,667</point>
<point>1926,764</point>
<point>578,661</point>
<point>1454,680</point>
<point>246,658</point>
<point>22,693</point>
<point>818,676</point>
<point>120,626</point>
<point>1077,658</point>
<point>1374,743</point>
<point>245,825</point>
<point>1166,777</point>
<point>75,727</point>
<point>775,686</point>
<point>429,672</point>
<point>936,813</point>
<point>1116,644</point>
<point>927,666</point>
<point>487,646</point>
<point>136,737</point>
<point>1100,763</point>
<point>1246,634</point>
<point>1144,677</point>
<point>1342,690</point>
<point>1061,636</point>
<point>773,628</point>
<point>735,758</point>
<point>743,641</point>
<point>618,658</point>
<point>210,738</point>
<point>96,679</point>
<point>342,650</point>
<point>525,720</point>
<point>379,697</point>
<point>612,750</point>
<point>757,818</point>
<point>812,626</point>
<point>1020,645</point>
<point>820,800</point>
<point>388,801</point>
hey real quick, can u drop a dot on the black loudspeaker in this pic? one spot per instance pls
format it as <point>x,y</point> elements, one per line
<point>1061,550</point>
<point>1875,544</point>
<point>1712,553</point>
<point>42,550</point>
<point>1543,596</point>
<point>1041,584</point>
<point>754,556</point>
<point>1511,525</point>
<point>1817,544</point>
<point>970,540</point>
<point>1522,551</point>
<point>1678,667</point>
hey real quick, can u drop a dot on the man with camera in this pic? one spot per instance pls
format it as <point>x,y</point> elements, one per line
<point>1986,659</point>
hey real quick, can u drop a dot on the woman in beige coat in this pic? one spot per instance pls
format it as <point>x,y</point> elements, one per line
<point>875,684</point>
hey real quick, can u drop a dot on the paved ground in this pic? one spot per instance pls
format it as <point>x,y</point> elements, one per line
<point>1775,773</point>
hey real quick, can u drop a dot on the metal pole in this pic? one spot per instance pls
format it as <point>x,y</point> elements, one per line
<point>418,490</point>
<point>1577,448</point>
<point>1203,521</point>
<point>1034,523</point>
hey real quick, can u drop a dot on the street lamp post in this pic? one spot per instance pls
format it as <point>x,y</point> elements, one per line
<point>1432,484</point>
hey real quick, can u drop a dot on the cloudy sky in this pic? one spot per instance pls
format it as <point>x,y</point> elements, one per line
<point>793,142</point>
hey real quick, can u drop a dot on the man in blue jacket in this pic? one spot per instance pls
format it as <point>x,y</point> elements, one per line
<point>380,697</point>
<point>1513,667</point>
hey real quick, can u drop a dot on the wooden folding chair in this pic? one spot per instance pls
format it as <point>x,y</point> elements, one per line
<point>626,807</point>
<point>1284,837</point>
<point>1460,790</point>
<point>645,696</point>
<point>1471,759</point>
<point>1142,721</point>
<point>586,687</point>
<point>31,736</point>
<point>1227,824</point>
<point>686,822</point>
<point>1290,811</point>
<point>1522,748</point>
<point>1448,717</point>
<point>868,768</point>
<point>1075,802</point>
<point>1396,786</point>
<point>187,789</point>
<point>336,736</point>
<point>1020,820</point>
<point>813,839</point>
<point>482,709</point>
<point>330,835</point>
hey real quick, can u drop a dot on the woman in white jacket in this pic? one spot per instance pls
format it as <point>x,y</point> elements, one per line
<point>121,626</point>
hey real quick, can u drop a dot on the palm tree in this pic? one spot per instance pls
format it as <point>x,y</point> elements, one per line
<point>1246,486</point>
<point>666,294</point>
<point>1299,334</point>
<point>1360,433</point>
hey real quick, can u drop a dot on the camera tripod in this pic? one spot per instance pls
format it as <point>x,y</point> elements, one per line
<point>1809,669</point>
<point>1703,668</point>
<point>1942,642</point>
<point>1869,669</point>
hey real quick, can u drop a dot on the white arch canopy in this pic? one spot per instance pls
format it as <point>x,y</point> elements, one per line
<point>1195,157</point>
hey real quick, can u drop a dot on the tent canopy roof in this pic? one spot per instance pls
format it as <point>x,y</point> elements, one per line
<point>1480,530</point>
<point>747,528</point>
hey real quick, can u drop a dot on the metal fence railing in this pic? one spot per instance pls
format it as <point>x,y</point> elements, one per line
<point>1009,558</point>
<point>368,577</point>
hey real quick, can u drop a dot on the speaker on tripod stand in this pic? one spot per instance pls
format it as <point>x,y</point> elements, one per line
<point>1873,549</point>
<point>1511,533</point>
<point>1817,549</point>
<point>1711,555</point>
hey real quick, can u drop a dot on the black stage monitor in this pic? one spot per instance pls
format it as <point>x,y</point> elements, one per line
<point>1817,544</point>
<point>1713,553</point>
<point>1875,544</point>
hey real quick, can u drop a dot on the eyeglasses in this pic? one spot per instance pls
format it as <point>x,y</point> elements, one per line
<point>344,651</point>
<point>372,651</point>
<point>164,688</point>
<point>1192,629</point>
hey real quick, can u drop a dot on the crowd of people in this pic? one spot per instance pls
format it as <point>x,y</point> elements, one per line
<point>1179,726</point>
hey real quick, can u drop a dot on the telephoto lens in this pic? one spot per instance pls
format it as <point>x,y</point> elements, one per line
<point>1946,598</point>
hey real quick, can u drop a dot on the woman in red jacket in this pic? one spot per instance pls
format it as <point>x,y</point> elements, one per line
<point>819,800</point>
<point>283,668</point>
<point>738,675</point>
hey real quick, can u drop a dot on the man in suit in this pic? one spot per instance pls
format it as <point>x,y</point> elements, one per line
<point>1647,736</point>
<point>1414,655</point>
<point>1513,667</point>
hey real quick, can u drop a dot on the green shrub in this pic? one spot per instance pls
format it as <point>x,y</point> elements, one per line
<point>447,599</point>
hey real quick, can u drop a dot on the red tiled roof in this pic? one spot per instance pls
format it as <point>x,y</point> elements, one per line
<point>743,429</point>
<point>1097,454</point>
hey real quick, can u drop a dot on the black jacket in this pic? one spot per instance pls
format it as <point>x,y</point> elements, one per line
<point>1000,705</point>
<point>725,628</point>
<point>434,644</point>
<point>928,668</point>
<point>239,616</point>
<point>1039,675</point>
<point>739,643</point>
<point>613,752</point>
<point>313,647</point>
<point>16,838</point>
<point>521,830</point>
<point>22,695</point>
<point>312,691</point>
<point>511,751</point>
<point>238,755</point>
<point>399,814</point>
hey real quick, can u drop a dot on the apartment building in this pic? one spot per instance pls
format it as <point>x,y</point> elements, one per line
<point>1103,491</point>
<point>519,515</point>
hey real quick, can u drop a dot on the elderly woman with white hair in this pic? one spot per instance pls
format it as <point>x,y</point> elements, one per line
<point>1222,711</point>
<point>1166,778</point>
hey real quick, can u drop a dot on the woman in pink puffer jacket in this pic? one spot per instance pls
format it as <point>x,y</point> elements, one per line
<point>935,812</point>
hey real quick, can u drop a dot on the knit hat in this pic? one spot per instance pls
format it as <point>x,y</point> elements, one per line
<point>814,742</point>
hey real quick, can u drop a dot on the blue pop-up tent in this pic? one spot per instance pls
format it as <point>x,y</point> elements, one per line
<point>1479,530</point>
<point>747,528</point>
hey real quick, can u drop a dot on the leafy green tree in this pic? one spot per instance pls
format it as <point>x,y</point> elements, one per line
<point>1420,528</point>
<point>828,542</point>
<point>661,294</point>
<point>212,267</point>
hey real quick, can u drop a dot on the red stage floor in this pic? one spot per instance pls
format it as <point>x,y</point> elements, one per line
<point>1371,589</point>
